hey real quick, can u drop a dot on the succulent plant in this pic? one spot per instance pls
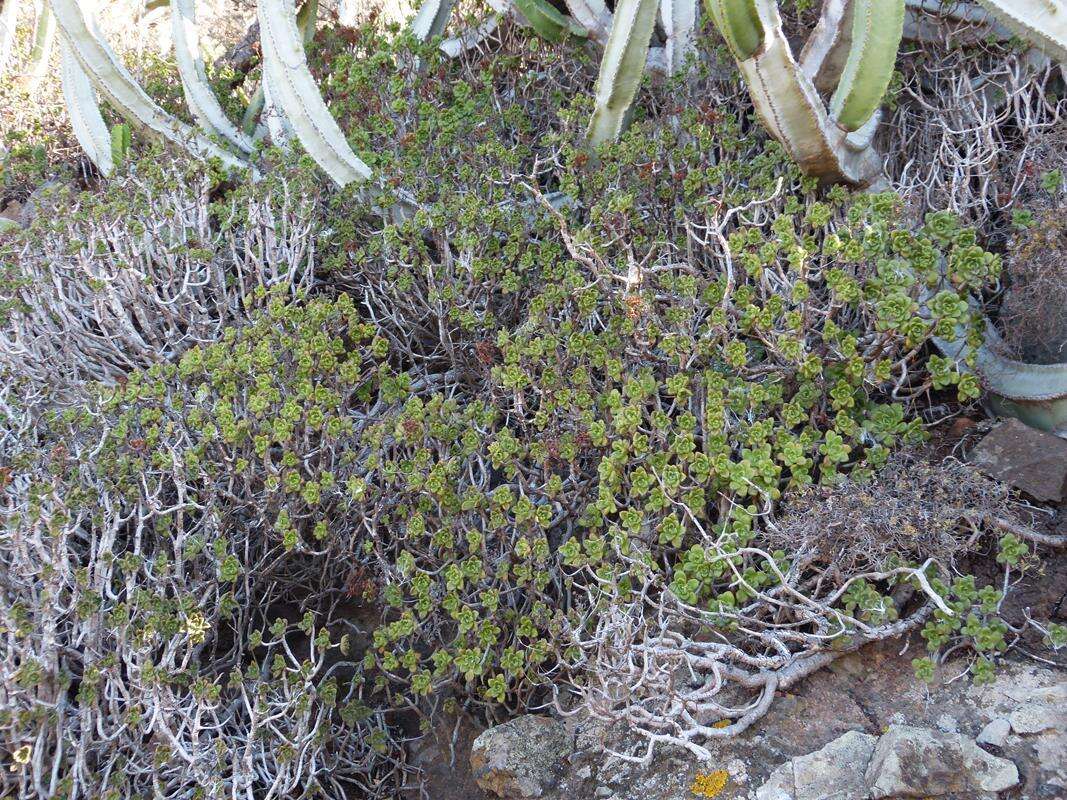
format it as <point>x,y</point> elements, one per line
<point>851,52</point>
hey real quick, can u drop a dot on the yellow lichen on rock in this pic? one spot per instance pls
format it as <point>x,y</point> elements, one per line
<point>710,784</point>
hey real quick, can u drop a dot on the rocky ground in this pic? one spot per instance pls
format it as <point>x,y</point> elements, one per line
<point>864,728</point>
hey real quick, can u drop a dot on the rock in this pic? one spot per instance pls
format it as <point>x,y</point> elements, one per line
<point>1039,708</point>
<point>836,772</point>
<point>1035,718</point>
<point>947,724</point>
<point>521,758</point>
<point>995,733</point>
<point>1032,461</point>
<point>917,762</point>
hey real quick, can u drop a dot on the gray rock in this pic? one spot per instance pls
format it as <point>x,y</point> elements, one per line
<point>917,762</point>
<point>1028,459</point>
<point>947,724</point>
<point>995,733</point>
<point>1035,718</point>
<point>836,772</point>
<point>521,758</point>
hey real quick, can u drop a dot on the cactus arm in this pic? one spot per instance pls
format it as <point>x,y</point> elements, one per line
<point>115,83</point>
<point>877,26</point>
<point>42,48</point>
<point>84,112</point>
<point>679,21</point>
<point>824,55</point>
<point>9,17</point>
<point>291,85</point>
<point>274,119</point>
<point>620,70</point>
<point>199,97</point>
<point>547,21</point>
<point>740,25</point>
<point>120,143</point>
<point>1042,23</point>
<point>250,118</point>
<point>307,16</point>
<point>280,130</point>
<point>431,19</point>
<point>790,108</point>
<point>593,15</point>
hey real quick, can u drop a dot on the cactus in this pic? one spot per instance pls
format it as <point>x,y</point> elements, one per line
<point>877,26</point>
<point>115,83</point>
<point>785,94</point>
<point>454,45</point>
<point>1033,393</point>
<point>9,17</point>
<point>85,118</point>
<point>280,131</point>
<point>121,141</point>
<point>198,94</point>
<point>621,68</point>
<point>833,147</point>
<point>823,58</point>
<point>431,19</point>
<point>549,23</point>
<point>739,23</point>
<point>679,19</point>
<point>593,16</point>
<point>1042,23</point>
<point>45,35</point>
<point>291,85</point>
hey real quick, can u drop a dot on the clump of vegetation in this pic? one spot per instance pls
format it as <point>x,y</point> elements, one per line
<point>103,283</point>
<point>313,470</point>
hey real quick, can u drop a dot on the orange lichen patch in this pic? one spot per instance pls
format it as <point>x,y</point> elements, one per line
<point>710,784</point>
<point>722,723</point>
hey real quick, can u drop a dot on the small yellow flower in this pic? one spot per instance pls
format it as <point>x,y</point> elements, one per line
<point>710,784</point>
<point>21,756</point>
<point>196,626</point>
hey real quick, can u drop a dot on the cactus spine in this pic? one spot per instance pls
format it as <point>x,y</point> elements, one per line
<point>877,26</point>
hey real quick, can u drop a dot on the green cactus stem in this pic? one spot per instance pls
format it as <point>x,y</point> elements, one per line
<point>621,68</point>
<point>739,23</point>
<point>877,26</point>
